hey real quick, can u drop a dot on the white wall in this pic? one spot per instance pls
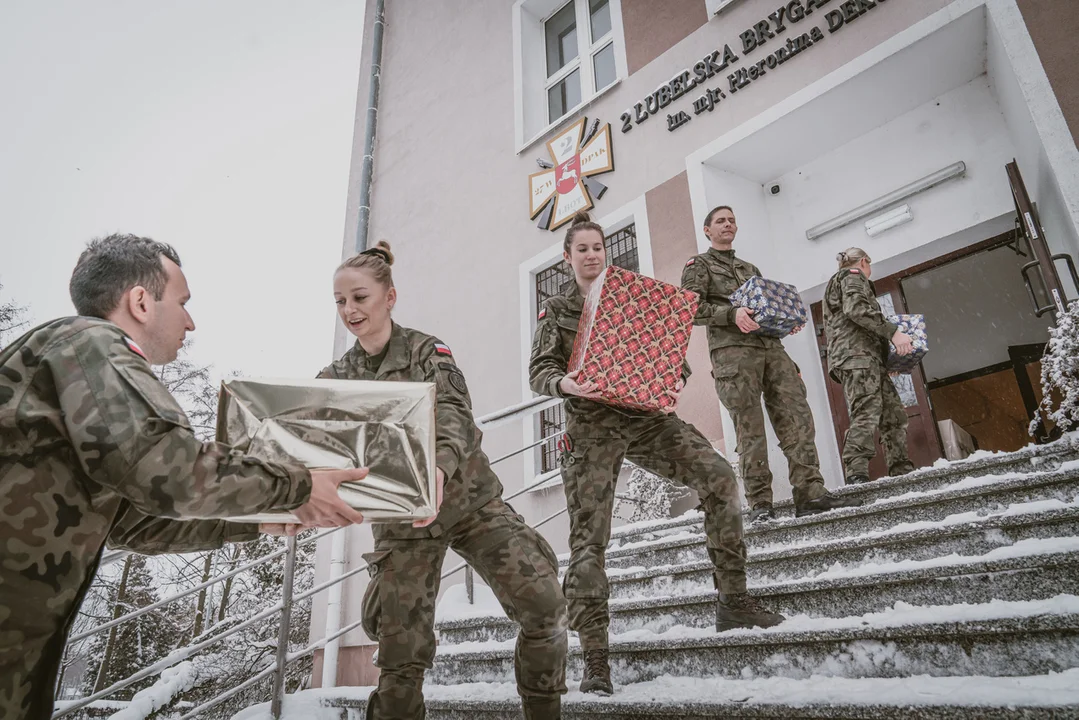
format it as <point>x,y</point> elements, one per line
<point>974,308</point>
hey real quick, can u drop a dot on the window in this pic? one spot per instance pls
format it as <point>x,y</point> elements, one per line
<point>567,54</point>
<point>621,251</point>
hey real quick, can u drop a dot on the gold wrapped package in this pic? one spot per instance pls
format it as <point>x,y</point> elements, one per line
<point>387,427</point>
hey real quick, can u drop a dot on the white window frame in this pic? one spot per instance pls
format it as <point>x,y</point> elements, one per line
<point>531,82</point>
<point>635,213</point>
<point>716,6</point>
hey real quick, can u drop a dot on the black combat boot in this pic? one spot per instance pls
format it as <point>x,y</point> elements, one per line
<point>857,479</point>
<point>742,610</point>
<point>536,709</point>
<point>901,468</point>
<point>597,673</point>
<point>762,512</point>
<point>824,503</point>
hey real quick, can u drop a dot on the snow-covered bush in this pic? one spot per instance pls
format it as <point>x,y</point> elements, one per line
<point>649,496</point>
<point>1060,371</point>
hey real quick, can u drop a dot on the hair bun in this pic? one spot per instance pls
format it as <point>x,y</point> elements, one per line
<point>841,257</point>
<point>385,246</point>
<point>581,216</point>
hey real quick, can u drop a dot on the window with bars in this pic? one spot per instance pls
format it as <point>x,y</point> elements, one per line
<point>621,247</point>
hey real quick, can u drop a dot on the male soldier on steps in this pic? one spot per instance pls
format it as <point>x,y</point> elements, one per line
<point>93,449</point>
<point>746,367</point>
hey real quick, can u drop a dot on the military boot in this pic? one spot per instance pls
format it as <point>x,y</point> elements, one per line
<point>742,610</point>
<point>901,468</point>
<point>597,673</point>
<point>536,709</point>
<point>857,479</point>
<point>762,512</point>
<point>824,503</point>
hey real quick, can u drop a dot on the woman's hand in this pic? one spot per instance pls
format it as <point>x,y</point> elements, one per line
<point>569,386</point>
<point>904,345</point>
<point>675,395</point>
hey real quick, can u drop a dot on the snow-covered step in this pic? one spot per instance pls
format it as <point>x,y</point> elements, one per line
<point>998,638</point>
<point>1035,458</point>
<point>1030,570</point>
<point>652,568</point>
<point>1037,697</point>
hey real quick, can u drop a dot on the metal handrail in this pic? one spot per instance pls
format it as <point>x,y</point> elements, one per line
<point>284,607</point>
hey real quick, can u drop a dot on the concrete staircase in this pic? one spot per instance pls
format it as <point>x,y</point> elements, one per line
<point>952,592</point>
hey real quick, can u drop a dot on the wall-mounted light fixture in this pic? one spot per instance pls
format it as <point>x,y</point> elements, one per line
<point>952,171</point>
<point>893,218</point>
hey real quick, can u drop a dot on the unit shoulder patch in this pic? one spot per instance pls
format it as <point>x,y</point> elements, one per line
<point>455,376</point>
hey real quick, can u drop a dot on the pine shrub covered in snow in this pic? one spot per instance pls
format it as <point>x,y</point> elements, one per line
<point>1060,371</point>
<point>650,496</point>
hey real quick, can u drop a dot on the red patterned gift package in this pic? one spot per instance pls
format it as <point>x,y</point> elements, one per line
<point>632,338</point>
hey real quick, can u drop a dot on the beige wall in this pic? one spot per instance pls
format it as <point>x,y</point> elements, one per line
<point>652,28</point>
<point>1053,25</point>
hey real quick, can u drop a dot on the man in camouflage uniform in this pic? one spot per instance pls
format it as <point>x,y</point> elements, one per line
<point>858,343</point>
<point>599,437</point>
<point>512,558</point>
<point>747,367</point>
<point>94,450</point>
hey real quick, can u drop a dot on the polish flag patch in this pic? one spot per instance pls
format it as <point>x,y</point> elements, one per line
<point>691,261</point>
<point>856,271</point>
<point>442,349</point>
<point>542,314</point>
<point>134,347</point>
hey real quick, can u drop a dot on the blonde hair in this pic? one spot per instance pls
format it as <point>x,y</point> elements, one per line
<point>851,257</point>
<point>376,260</point>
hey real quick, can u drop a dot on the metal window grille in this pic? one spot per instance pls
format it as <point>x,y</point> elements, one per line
<point>621,251</point>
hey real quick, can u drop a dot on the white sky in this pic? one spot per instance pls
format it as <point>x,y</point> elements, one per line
<point>223,128</point>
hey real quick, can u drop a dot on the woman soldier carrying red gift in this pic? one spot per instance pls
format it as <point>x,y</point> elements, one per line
<point>598,437</point>
<point>511,557</point>
<point>858,336</point>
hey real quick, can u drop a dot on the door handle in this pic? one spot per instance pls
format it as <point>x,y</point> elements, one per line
<point>1039,310</point>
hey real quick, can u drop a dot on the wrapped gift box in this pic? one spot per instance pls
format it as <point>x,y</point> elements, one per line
<point>957,442</point>
<point>913,325</point>
<point>632,338</point>
<point>388,427</point>
<point>777,307</point>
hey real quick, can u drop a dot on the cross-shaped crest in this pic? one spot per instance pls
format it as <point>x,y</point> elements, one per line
<point>567,186</point>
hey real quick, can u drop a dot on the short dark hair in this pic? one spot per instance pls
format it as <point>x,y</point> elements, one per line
<point>110,266</point>
<point>711,214</point>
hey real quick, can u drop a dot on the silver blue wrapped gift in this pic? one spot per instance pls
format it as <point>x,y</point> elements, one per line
<point>913,325</point>
<point>388,427</point>
<point>777,307</point>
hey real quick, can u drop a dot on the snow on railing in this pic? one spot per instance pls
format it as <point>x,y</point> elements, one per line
<point>177,673</point>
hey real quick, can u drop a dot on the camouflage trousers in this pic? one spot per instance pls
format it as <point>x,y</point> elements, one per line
<point>666,446</point>
<point>743,376</point>
<point>399,608</point>
<point>874,405</point>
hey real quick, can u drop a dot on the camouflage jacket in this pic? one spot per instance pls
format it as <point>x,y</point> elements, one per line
<point>715,275</point>
<point>857,331</point>
<point>413,356</point>
<point>94,450</point>
<point>552,346</point>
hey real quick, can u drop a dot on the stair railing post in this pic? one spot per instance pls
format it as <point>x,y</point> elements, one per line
<point>283,631</point>
<point>470,586</point>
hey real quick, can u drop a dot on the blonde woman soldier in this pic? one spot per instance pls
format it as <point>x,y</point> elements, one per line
<point>858,336</point>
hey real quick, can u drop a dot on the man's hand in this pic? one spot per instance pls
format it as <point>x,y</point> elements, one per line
<point>568,385</point>
<point>440,481</point>
<point>675,395</point>
<point>281,529</point>
<point>903,343</point>
<point>798,329</point>
<point>325,508</point>
<point>743,318</point>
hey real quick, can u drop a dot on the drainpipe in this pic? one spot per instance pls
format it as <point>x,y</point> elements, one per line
<point>367,167</point>
<point>334,608</point>
<point>339,547</point>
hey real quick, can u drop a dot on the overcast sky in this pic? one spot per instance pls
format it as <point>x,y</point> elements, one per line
<point>222,127</point>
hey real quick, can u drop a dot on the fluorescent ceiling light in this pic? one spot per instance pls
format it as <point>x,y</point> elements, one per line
<point>893,218</point>
<point>875,206</point>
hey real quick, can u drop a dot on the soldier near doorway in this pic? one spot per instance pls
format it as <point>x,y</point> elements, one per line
<point>858,338</point>
<point>746,367</point>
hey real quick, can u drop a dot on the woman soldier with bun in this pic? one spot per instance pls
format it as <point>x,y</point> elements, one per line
<point>512,558</point>
<point>858,336</point>
<point>599,436</point>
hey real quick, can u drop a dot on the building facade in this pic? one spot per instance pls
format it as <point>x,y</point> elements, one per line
<point>882,124</point>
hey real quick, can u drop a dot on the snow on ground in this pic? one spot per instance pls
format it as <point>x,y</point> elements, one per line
<point>454,604</point>
<point>1053,689</point>
<point>173,680</point>
<point>901,614</point>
